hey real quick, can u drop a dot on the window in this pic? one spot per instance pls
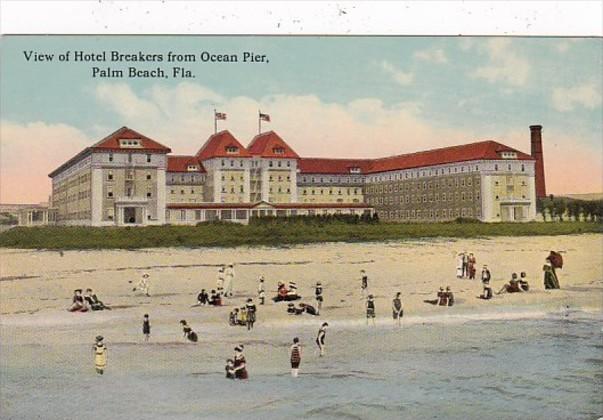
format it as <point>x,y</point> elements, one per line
<point>110,157</point>
<point>148,158</point>
<point>496,167</point>
<point>148,176</point>
<point>129,157</point>
<point>149,194</point>
<point>182,214</point>
<point>232,149</point>
<point>109,193</point>
<point>181,192</point>
<point>523,168</point>
<point>110,176</point>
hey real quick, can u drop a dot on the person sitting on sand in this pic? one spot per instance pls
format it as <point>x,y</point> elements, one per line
<point>309,309</point>
<point>202,298</point>
<point>512,287</point>
<point>92,301</point>
<point>441,299</point>
<point>242,316</point>
<point>240,364</point>
<point>523,282</point>
<point>215,299</point>
<point>233,317</point>
<point>449,296</point>
<point>188,332</point>
<point>78,303</point>
<point>292,310</point>
<point>286,294</point>
<point>229,368</point>
<point>370,309</point>
<point>487,293</point>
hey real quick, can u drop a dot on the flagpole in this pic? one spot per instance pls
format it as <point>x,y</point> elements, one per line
<point>215,122</point>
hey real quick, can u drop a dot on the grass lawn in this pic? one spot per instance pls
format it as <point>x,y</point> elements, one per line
<point>272,234</point>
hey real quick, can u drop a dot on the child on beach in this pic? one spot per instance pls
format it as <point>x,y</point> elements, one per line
<point>449,296</point>
<point>295,355</point>
<point>318,295</point>
<point>363,283</point>
<point>146,327</point>
<point>523,282</point>
<point>100,355</point>
<point>229,368</point>
<point>233,317</point>
<point>250,310</point>
<point>292,310</point>
<point>320,338</point>
<point>486,276</point>
<point>261,291</point>
<point>370,309</point>
<point>397,310</point>
<point>188,332</point>
<point>487,293</point>
<point>215,299</point>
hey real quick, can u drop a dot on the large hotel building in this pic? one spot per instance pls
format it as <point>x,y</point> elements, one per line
<point>130,179</point>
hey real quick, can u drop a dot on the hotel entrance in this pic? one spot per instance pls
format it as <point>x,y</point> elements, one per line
<point>131,212</point>
<point>130,215</point>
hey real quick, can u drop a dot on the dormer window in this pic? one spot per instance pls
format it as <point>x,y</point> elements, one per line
<point>232,149</point>
<point>192,168</point>
<point>130,143</point>
<point>278,150</point>
<point>508,155</point>
<point>355,170</point>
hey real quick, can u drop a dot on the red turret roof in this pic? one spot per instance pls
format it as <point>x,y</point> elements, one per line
<point>217,145</point>
<point>181,164</point>
<point>271,145</point>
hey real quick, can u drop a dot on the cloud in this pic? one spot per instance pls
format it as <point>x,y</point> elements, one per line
<point>437,56</point>
<point>29,152</point>
<point>587,95</point>
<point>399,76</point>
<point>505,64</point>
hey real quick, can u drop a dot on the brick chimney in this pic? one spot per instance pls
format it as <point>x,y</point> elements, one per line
<point>536,151</point>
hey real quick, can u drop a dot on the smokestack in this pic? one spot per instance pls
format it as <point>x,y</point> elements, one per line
<point>536,150</point>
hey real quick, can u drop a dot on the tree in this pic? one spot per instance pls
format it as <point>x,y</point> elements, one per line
<point>560,206</point>
<point>540,208</point>
<point>550,208</point>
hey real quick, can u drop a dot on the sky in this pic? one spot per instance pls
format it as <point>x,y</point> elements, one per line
<point>327,97</point>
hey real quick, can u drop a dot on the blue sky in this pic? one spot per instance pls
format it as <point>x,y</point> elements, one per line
<point>446,87</point>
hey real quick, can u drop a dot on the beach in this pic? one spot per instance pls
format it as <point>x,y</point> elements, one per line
<point>515,352</point>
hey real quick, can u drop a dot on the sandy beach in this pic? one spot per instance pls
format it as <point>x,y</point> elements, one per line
<point>39,335</point>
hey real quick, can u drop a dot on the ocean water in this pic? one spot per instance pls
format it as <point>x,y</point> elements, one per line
<point>549,368</point>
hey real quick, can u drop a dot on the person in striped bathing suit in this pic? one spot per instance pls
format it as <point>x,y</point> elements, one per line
<point>295,352</point>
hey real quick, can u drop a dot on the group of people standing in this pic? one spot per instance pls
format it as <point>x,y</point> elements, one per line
<point>466,265</point>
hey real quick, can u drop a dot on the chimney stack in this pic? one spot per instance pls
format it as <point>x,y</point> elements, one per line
<point>536,151</point>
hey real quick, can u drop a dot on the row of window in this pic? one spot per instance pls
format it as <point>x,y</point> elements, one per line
<point>416,186</point>
<point>331,180</point>
<point>255,163</point>
<point>129,192</point>
<point>469,196</point>
<point>130,175</point>
<point>429,214</point>
<point>112,158</point>
<point>74,215</point>
<point>182,192</point>
<point>350,191</point>
<point>432,172</point>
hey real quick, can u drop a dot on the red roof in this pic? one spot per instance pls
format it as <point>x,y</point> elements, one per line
<point>217,144</point>
<point>111,142</point>
<point>484,150</point>
<point>180,163</point>
<point>271,145</point>
<point>331,166</point>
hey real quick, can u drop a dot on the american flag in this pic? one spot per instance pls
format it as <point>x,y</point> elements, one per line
<point>220,115</point>
<point>264,117</point>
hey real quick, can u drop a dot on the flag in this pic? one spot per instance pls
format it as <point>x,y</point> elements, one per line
<point>219,115</point>
<point>264,117</point>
